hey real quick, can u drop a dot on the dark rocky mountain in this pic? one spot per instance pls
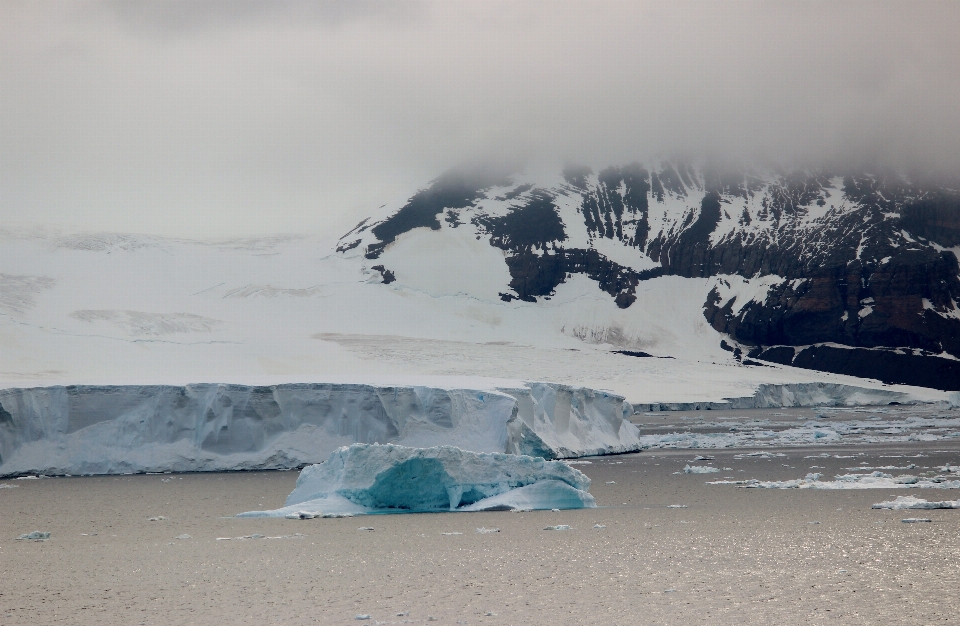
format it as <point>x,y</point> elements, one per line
<point>847,272</point>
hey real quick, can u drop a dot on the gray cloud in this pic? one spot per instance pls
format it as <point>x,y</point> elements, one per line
<point>224,118</point>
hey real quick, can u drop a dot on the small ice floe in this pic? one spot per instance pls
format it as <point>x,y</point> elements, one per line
<point>599,526</point>
<point>34,536</point>
<point>183,536</point>
<point>915,520</point>
<point>253,536</point>
<point>703,458</point>
<point>366,528</point>
<point>910,502</point>
<point>872,480</point>
<point>611,482</point>
<point>7,486</point>
<point>484,531</point>
<point>557,527</point>
<point>304,515</point>
<point>158,518</point>
<point>699,469</point>
<point>676,506</point>
<point>361,617</point>
<point>37,477</point>
<point>453,533</point>
<point>882,467</point>
<point>572,462</point>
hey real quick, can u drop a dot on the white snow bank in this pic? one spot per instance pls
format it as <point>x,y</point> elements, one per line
<point>217,427</point>
<point>909,502</point>
<point>366,478</point>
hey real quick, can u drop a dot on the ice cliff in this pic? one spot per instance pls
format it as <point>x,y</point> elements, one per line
<point>365,478</point>
<point>216,427</point>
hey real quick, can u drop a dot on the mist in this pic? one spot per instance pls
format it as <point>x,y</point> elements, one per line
<point>206,119</point>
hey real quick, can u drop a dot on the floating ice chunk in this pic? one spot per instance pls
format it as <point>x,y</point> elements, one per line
<point>34,536</point>
<point>304,515</point>
<point>599,525</point>
<point>909,502</point>
<point>366,528</point>
<point>676,506</point>
<point>365,478</point>
<point>158,518</point>
<point>699,469</point>
<point>703,458</point>
<point>914,520</point>
<point>184,536</point>
<point>361,617</point>
<point>558,527</point>
<point>6,486</point>
<point>484,531</point>
<point>453,533</point>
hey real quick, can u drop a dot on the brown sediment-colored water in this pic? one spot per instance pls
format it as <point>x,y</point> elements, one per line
<point>732,555</point>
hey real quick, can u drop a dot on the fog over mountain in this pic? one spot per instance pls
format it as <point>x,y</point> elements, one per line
<point>206,119</point>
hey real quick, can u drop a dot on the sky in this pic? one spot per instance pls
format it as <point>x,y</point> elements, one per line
<point>204,118</point>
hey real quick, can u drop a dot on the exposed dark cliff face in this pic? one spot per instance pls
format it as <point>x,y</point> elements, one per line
<point>453,190</point>
<point>855,259</point>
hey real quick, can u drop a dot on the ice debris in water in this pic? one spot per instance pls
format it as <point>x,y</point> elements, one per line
<point>6,486</point>
<point>915,520</point>
<point>453,533</point>
<point>372,478</point>
<point>183,536</point>
<point>699,469</point>
<point>599,525</point>
<point>703,458</point>
<point>158,518</point>
<point>484,531</point>
<point>361,617</point>
<point>909,502</point>
<point>676,506</point>
<point>872,480</point>
<point>558,527</point>
<point>34,536</point>
<point>366,528</point>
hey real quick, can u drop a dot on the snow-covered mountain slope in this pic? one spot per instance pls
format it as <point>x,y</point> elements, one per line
<point>851,273</point>
<point>124,309</point>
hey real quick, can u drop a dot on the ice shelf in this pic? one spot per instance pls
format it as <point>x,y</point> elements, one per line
<point>218,427</point>
<point>363,478</point>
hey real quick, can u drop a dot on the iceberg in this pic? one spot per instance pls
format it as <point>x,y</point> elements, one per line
<point>221,427</point>
<point>373,478</point>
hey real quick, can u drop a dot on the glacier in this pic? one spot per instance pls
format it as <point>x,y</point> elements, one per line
<point>372,478</point>
<point>81,430</point>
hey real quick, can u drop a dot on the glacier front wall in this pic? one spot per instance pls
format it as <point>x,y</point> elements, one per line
<point>81,430</point>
